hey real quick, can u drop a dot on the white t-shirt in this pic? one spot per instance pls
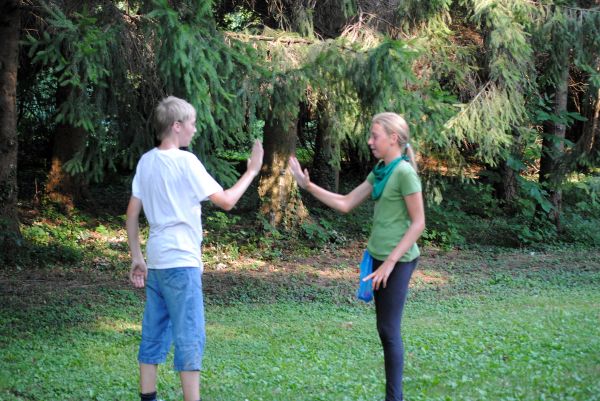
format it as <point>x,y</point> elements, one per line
<point>171,184</point>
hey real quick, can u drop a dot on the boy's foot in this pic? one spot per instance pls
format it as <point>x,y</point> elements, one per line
<point>149,397</point>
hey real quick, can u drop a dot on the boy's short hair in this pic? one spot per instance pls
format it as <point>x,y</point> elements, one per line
<point>168,111</point>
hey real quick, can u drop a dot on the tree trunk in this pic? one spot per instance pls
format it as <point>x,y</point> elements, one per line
<point>10,24</point>
<point>61,187</point>
<point>507,187</point>
<point>505,179</point>
<point>590,137</point>
<point>325,169</point>
<point>509,182</point>
<point>586,152</point>
<point>551,172</point>
<point>280,201</point>
<point>593,127</point>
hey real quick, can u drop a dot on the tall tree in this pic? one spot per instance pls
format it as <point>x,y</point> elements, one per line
<point>553,143</point>
<point>218,75</point>
<point>78,54</point>
<point>590,140</point>
<point>69,140</point>
<point>10,24</point>
<point>569,46</point>
<point>281,205</point>
<point>587,60</point>
<point>326,170</point>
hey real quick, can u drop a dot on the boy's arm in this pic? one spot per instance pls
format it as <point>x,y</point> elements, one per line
<point>228,198</point>
<point>139,271</point>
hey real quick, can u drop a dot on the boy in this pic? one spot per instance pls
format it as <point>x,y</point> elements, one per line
<point>170,184</point>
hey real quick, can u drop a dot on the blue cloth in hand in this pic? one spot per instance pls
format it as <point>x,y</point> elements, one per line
<point>365,288</point>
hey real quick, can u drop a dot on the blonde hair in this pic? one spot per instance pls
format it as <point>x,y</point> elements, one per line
<point>168,111</point>
<point>393,123</point>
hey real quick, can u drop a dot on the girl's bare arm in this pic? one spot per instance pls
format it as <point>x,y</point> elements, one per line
<point>341,203</point>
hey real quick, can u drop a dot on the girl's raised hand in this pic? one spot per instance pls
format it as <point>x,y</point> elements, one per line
<point>301,177</point>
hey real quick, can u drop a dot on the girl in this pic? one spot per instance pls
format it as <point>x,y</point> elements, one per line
<point>398,221</point>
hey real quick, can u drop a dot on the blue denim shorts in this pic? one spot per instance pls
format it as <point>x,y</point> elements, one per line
<point>174,313</point>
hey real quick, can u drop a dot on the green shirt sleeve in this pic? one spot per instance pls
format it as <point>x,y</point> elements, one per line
<point>409,181</point>
<point>371,178</point>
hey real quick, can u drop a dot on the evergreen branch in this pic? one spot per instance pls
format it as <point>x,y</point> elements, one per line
<point>554,6</point>
<point>578,9</point>
<point>372,16</point>
<point>586,10</point>
<point>286,40</point>
<point>247,38</point>
<point>472,101</point>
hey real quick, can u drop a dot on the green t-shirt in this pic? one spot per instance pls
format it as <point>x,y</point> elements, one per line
<point>390,218</point>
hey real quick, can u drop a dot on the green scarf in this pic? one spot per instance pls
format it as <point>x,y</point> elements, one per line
<point>382,174</point>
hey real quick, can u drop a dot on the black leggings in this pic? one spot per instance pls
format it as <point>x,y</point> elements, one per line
<point>389,303</point>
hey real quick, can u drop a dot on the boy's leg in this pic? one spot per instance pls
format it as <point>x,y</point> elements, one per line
<point>190,383</point>
<point>186,310</point>
<point>148,378</point>
<point>156,333</point>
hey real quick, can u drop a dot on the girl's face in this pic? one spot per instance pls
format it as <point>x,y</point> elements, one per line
<point>380,142</point>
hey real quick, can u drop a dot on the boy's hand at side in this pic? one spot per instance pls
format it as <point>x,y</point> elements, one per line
<point>138,273</point>
<point>301,177</point>
<point>256,158</point>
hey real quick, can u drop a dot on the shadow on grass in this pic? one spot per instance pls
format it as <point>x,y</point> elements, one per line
<point>54,300</point>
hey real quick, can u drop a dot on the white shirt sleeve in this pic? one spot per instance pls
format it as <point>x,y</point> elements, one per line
<point>201,183</point>
<point>135,184</point>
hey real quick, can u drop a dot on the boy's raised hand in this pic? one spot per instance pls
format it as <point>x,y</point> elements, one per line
<point>301,177</point>
<point>256,158</point>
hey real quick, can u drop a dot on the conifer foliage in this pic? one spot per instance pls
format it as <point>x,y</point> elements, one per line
<point>507,84</point>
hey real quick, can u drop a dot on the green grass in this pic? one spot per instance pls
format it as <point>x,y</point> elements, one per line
<point>488,324</point>
<point>484,321</point>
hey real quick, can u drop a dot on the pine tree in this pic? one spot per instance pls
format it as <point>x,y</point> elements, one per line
<point>82,47</point>
<point>10,24</point>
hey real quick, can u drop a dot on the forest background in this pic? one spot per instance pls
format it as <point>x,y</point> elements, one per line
<point>502,97</point>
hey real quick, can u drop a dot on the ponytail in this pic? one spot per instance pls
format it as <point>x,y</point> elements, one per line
<point>409,152</point>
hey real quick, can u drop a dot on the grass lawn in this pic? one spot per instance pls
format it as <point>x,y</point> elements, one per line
<point>488,324</point>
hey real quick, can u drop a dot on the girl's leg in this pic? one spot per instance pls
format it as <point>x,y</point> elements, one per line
<point>389,304</point>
